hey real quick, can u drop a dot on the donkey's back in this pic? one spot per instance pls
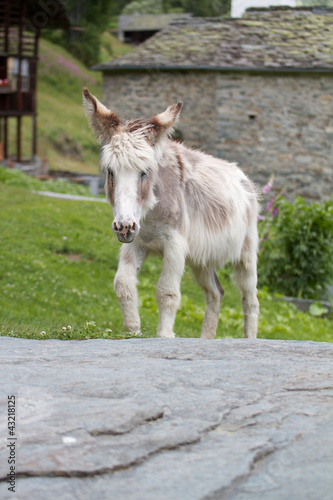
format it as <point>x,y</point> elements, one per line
<point>221,206</point>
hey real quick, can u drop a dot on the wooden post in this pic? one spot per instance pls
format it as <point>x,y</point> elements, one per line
<point>19,84</point>
<point>34,96</point>
<point>1,143</point>
<point>7,22</point>
<point>6,137</point>
<point>18,138</point>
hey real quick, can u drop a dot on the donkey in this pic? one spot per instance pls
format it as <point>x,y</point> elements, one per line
<point>183,204</point>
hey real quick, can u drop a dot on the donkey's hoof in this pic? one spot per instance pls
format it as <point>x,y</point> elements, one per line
<point>166,335</point>
<point>208,335</point>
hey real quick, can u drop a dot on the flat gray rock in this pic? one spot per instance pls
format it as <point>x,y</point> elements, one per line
<point>168,419</point>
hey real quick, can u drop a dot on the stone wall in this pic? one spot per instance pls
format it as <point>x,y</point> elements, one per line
<point>278,124</point>
<point>146,93</point>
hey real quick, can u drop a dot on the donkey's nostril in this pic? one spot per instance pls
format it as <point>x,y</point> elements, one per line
<point>133,226</point>
<point>115,226</point>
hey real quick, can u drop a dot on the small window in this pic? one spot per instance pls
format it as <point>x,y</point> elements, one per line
<point>13,73</point>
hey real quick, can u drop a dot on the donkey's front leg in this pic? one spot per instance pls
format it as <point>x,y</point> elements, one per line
<point>130,262</point>
<point>168,287</point>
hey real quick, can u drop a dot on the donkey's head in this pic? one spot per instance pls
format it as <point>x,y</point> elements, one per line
<point>129,157</point>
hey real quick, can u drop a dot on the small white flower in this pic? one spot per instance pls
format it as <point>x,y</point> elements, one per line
<point>64,237</point>
<point>69,440</point>
<point>64,328</point>
<point>69,327</point>
<point>43,333</point>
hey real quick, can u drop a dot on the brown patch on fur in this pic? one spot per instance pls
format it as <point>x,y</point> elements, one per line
<point>246,248</point>
<point>110,187</point>
<point>158,124</point>
<point>218,284</point>
<point>250,210</point>
<point>166,119</point>
<point>169,206</point>
<point>104,122</point>
<point>158,127</point>
<point>136,124</point>
<point>105,125</point>
<point>215,214</point>
<point>181,167</point>
<point>90,97</point>
<point>248,214</point>
<point>176,108</point>
<point>143,189</point>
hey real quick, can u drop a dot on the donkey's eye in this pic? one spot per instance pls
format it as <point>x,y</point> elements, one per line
<point>143,176</point>
<point>111,176</point>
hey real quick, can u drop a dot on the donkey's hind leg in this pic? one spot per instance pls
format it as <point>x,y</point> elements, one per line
<point>207,279</point>
<point>246,278</point>
<point>130,262</point>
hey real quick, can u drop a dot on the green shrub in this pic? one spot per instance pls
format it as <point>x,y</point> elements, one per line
<point>295,257</point>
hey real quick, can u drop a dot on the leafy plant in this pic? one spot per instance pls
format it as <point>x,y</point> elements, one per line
<point>296,248</point>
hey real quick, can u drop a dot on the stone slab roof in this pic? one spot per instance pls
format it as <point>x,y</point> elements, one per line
<point>148,22</point>
<point>274,38</point>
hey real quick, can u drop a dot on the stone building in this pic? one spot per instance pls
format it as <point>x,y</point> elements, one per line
<point>257,90</point>
<point>137,28</point>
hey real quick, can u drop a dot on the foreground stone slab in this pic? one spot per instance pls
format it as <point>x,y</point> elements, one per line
<point>160,419</point>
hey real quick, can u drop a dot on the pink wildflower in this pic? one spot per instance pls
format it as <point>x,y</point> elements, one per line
<point>270,204</point>
<point>266,189</point>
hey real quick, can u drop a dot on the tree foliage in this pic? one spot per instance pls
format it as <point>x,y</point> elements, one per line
<point>204,8</point>
<point>92,17</point>
<point>144,7</point>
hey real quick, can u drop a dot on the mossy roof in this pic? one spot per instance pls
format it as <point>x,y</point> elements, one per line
<point>274,38</point>
<point>148,22</point>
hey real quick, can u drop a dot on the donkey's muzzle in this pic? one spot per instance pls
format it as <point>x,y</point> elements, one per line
<point>125,232</point>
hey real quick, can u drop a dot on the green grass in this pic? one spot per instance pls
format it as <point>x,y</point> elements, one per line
<point>58,259</point>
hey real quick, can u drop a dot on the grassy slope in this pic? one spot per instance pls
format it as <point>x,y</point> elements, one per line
<point>57,263</point>
<point>62,128</point>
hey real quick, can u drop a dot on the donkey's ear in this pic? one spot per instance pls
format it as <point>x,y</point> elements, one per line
<point>102,120</point>
<point>164,122</point>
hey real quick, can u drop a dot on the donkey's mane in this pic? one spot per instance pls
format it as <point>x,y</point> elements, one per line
<point>129,149</point>
<point>138,126</point>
